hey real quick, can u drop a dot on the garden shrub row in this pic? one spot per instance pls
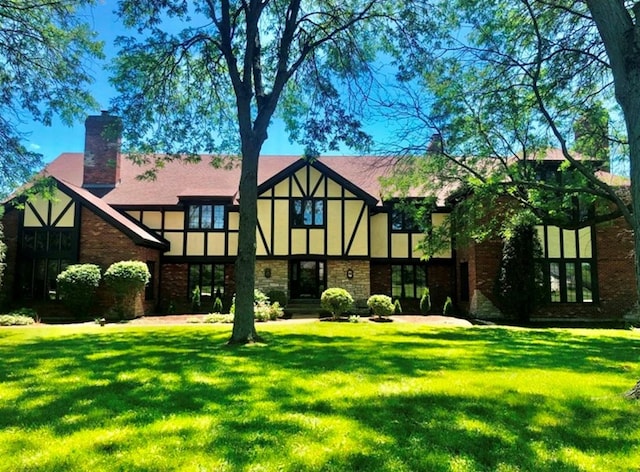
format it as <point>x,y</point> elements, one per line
<point>78,285</point>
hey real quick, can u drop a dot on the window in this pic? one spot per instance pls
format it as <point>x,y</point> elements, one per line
<point>206,217</point>
<point>408,281</point>
<point>307,212</point>
<point>568,265</point>
<point>210,279</point>
<point>44,253</point>
<point>464,281</point>
<point>401,220</point>
<point>149,291</point>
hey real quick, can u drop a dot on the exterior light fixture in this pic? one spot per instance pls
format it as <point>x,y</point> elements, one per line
<point>349,274</point>
<point>267,272</point>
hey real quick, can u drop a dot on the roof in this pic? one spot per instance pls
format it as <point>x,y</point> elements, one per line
<point>132,229</point>
<point>179,180</point>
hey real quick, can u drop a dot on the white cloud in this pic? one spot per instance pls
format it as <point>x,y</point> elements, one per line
<point>34,146</point>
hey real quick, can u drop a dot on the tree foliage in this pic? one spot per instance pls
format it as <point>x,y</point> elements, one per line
<point>45,50</point>
<point>519,286</point>
<point>499,84</point>
<point>209,76</point>
<point>3,249</point>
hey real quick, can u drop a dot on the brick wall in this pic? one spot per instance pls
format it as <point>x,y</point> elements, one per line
<point>103,244</point>
<point>616,279</point>
<point>175,288</point>
<point>101,153</point>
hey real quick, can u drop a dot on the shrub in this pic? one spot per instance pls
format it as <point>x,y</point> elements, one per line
<point>77,286</point>
<point>380,305</point>
<point>278,296</point>
<point>263,310</point>
<point>397,308</point>
<point>519,286</point>
<point>354,319</point>
<point>425,301</point>
<point>195,298</point>
<point>217,318</point>
<point>336,301</point>
<point>15,320</point>
<point>447,309</point>
<point>126,279</point>
<point>217,305</point>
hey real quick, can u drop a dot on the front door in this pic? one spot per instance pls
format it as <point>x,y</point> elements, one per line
<point>308,279</point>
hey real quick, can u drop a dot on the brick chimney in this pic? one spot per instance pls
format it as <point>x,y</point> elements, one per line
<point>103,137</point>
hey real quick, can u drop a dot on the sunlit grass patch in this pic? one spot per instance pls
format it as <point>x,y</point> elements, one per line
<point>317,396</point>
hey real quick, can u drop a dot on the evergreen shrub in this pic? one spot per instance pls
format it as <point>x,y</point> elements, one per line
<point>126,279</point>
<point>380,305</point>
<point>77,286</point>
<point>336,301</point>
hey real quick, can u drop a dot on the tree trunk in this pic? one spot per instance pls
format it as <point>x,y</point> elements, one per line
<point>244,330</point>
<point>621,38</point>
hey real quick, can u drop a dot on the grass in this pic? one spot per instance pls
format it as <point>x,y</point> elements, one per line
<point>318,396</point>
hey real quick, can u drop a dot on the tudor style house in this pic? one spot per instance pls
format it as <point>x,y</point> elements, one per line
<point>320,224</point>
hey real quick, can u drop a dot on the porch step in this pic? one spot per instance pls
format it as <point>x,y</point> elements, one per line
<point>304,308</point>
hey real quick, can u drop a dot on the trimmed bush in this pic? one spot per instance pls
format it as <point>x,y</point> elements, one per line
<point>126,280</point>
<point>278,296</point>
<point>425,301</point>
<point>447,309</point>
<point>217,305</point>
<point>336,301</point>
<point>195,299</point>
<point>380,305</point>
<point>77,286</point>
<point>397,308</point>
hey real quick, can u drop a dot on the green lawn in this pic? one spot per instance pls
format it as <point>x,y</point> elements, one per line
<point>318,396</point>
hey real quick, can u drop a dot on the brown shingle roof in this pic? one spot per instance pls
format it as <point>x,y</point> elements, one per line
<point>183,180</point>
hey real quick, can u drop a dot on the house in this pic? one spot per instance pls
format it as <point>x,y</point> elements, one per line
<point>321,224</point>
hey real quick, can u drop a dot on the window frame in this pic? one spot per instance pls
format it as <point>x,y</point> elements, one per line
<point>414,270</point>
<point>210,216</point>
<point>52,250</point>
<point>215,269</point>
<point>299,220</point>
<point>565,278</point>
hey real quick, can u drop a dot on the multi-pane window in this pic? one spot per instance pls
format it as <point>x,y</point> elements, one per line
<point>210,279</point>
<point>568,264</point>
<point>307,212</point>
<point>206,216</point>
<point>408,280</point>
<point>402,220</point>
<point>44,254</point>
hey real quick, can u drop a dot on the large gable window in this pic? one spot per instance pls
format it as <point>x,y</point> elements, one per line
<point>307,212</point>
<point>44,253</point>
<point>206,216</point>
<point>568,264</point>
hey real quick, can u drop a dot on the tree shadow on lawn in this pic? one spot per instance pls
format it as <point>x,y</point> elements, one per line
<point>255,403</point>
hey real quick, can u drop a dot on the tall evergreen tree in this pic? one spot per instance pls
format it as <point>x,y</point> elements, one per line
<point>519,285</point>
